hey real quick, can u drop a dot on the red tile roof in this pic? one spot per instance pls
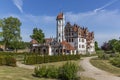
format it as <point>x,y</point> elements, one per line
<point>33,41</point>
<point>60,16</point>
<point>47,40</point>
<point>67,45</point>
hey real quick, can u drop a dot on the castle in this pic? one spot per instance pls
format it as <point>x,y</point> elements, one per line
<point>70,39</point>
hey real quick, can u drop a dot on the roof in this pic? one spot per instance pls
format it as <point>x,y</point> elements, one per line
<point>60,16</point>
<point>67,45</point>
<point>33,41</point>
<point>75,27</point>
<point>48,40</point>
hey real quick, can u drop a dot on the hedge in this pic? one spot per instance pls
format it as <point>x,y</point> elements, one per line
<point>7,60</point>
<point>38,59</point>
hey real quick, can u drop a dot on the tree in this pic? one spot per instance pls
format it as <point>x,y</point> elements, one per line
<point>96,46</point>
<point>117,46</point>
<point>38,35</point>
<point>112,45</point>
<point>105,46</point>
<point>19,45</point>
<point>11,31</point>
<point>1,34</point>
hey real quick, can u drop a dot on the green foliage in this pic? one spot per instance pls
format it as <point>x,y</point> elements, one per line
<point>112,45</point>
<point>67,72</point>
<point>38,59</point>
<point>2,60</point>
<point>38,35</point>
<point>115,60</point>
<point>17,45</point>
<point>7,60</point>
<point>40,71</point>
<point>52,72</point>
<point>10,61</point>
<point>103,56</point>
<point>11,30</point>
<point>96,46</point>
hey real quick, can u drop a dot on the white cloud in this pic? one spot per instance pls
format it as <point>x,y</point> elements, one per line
<point>18,4</point>
<point>105,24</point>
<point>106,5</point>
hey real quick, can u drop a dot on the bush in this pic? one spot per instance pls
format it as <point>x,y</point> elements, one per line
<point>7,60</point>
<point>10,61</point>
<point>115,61</point>
<point>2,60</point>
<point>40,71</point>
<point>67,72</point>
<point>52,72</point>
<point>103,56</point>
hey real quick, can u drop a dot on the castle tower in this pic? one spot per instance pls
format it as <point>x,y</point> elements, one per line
<point>60,27</point>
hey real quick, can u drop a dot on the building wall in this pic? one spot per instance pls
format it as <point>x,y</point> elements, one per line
<point>81,45</point>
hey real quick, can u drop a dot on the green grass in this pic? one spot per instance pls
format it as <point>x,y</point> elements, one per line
<point>16,73</point>
<point>106,66</point>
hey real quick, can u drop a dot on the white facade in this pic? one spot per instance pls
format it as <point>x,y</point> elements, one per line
<point>81,45</point>
<point>92,47</point>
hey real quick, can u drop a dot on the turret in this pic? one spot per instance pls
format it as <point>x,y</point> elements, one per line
<point>60,27</point>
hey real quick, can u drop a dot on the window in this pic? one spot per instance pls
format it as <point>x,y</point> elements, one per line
<point>72,39</point>
<point>69,40</point>
<point>82,40</point>
<point>83,46</point>
<point>59,34</point>
<point>59,40</point>
<point>79,40</point>
<point>69,30</point>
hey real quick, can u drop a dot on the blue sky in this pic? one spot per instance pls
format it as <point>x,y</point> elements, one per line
<point>100,16</point>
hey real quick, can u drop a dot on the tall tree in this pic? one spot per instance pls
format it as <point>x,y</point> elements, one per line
<point>38,35</point>
<point>1,34</point>
<point>11,31</point>
<point>96,45</point>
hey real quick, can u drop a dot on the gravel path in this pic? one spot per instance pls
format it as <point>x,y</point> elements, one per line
<point>93,72</point>
<point>19,64</point>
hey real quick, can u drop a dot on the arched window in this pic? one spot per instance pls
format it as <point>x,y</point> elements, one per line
<point>33,50</point>
<point>44,51</point>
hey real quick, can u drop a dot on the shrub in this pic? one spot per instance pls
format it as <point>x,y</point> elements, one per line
<point>68,71</point>
<point>115,61</point>
<point>103,56</point>
<point>2,60</point>
<point>7,60</point>
<point>10,61</point>
<point>52,72</point>
<point>40,71</point>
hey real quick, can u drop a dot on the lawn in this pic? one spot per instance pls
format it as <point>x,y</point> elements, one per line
<point>105,65</point>
<point>16,73</point>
